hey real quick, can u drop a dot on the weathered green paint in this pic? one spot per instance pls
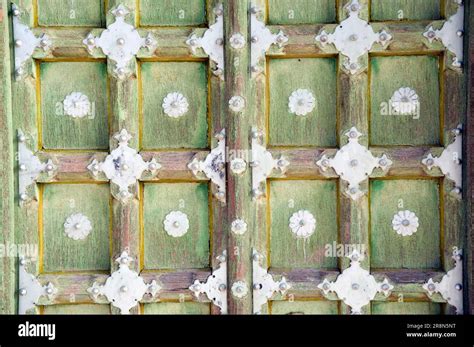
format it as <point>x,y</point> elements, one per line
<point>177,308</point>
<point>390,250</point>
<point>304,307</point>
<point>76,309</point>
<point>288,197</point>
<point>420,73</point>
<point>406,308</point>
<point>7,236</point>
<point>71,13</point>
<point>163,251</point>
<point>287,12</point>
<point>161,130</point>
<point>60,131</point>
<point>405,9</point>
<point>172,13</point>
<point>62,253</point>
<point>318,128</point>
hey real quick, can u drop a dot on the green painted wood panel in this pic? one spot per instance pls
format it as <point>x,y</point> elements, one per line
<point>60,131</point>
<point>318,128</point>
<point>172,13</point>
<point>404,9</point>
<point>301,11</point>
<point>177,308</point>
<point>288,197</point>
<point>304,307</point>
<point>163,251</point>
<point>388,74</point>
<point>388,249</point>
<point>71,13</point>
<point>76,309</point>
<point>162,131</point>
<point>405,308</point>
<point>62,253</point>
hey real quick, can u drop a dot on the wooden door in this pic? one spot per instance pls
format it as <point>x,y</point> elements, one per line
<point>206,157</point>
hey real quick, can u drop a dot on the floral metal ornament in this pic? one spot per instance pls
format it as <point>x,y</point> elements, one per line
<point>120,41</point>
<point>302,224</point>
<point>213,167</point>
<point>238,166</point>
<point>450,287</point>
<point>237,41</point>
<point>353,37</point>
<point>30,289</point>
<point>25,42</point>
<point>261,40</point>
<point>354,163</point>
<point>124,288</point>
<point>238,227</point>
<point>263,163</point>
<point>405,101</point>
<point>405,223</point>
<point>237,103</point>
<point>212,42</point>
<point>355,286</point>
<point>77,226</point>
<point>215,287</point>
<point>301,102</point>
<point>29,167</point>
<point>77,105</point>
<point>240,289</point>
<point>123,166</point>
<point>264,286</point>
<point>176,223</point>
<point>450,161</point>
<point>175,105</point>
<point>451,35</point>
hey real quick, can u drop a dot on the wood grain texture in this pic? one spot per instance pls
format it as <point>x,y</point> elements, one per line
<point>77,309</point>
<point>304,307</point>
<point>163,251</point>
<point>317,128</point>
<point>287,12</point>
<point>405,9</point>
<point>177,308</point>
<point>419,73</point>
<point>390,250</point>
<point>239,202</point>
<point>406,308</point>
<point>71,13</point>
<point>172,13</point>
<point>162,131</point>
<point>60,130</point>
<point>7,236</point>
<point>61,253</point>
<point>320,199</point>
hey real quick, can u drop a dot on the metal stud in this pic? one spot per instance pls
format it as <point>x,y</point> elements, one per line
<point>18,43</point>
<point>458,286</point>
<point>23,292</point>
<point>23,197</point>
<point>123,289</point>
<point>16,12</point>
<point>120,41</point>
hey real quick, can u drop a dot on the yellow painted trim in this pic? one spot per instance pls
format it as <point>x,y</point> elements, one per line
<point>141,226</point>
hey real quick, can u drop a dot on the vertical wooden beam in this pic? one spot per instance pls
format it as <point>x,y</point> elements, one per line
<point>453,112</point>
<point>218,210</point>
<point>123,101</point>
<point>239,201</point>
<point>26,115</point>
<point>469,162</point>
<point>7,236</point>
<point>353,112</point>
<point>258,98</point>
